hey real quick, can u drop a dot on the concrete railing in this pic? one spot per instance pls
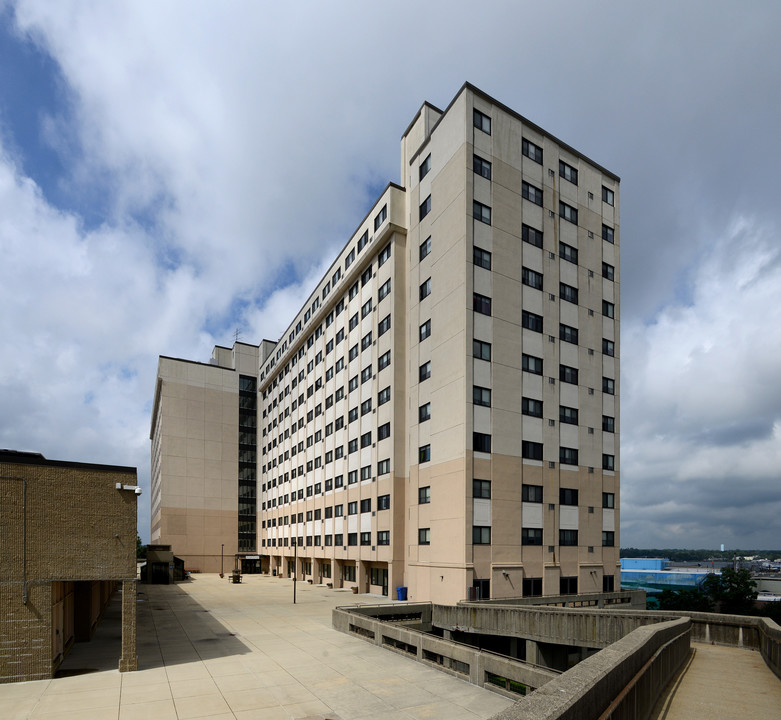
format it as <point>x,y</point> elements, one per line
<point>503,674</point>
<point>620,682</point>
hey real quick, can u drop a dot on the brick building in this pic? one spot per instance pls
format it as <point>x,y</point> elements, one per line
<point>68,539</point>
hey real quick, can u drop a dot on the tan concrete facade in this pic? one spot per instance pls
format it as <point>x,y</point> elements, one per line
<point>501,235</point>
<point>68,539</point>
<point>196,456</point>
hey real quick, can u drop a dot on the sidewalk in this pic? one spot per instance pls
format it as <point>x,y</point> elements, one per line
<point>208,648</point>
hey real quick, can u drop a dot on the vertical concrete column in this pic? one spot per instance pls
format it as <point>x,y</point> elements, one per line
<point>360,579</point>
<point>532,655</point>
<point>129,659</point>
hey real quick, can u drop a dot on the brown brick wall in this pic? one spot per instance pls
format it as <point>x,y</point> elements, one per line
<point>71,523</point>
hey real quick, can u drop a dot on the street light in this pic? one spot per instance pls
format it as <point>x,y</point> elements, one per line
<point>222,559</point>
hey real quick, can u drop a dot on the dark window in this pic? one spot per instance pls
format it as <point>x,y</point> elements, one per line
<point>481,488</point>
<point>383,431</point>
<point>531,193</point>
<point>568,415</point>
<point>383,502</point>
<point>531,493</point>
<point>425,289</point>
<point>481,350</point>
<point>568,537</point>
<point>531,278</point>
<point>481,535</point>
<point>425,247</point>
<point>531,151</point>
<point>424,372</point>
<point>425,166</point>
<point>608,271</point>
<point>568,334</point>
<point>532,236</point>
<point>532,407</point>
<point>366,505</point>
<point>481,396</point>
<point>568,585</point>
<point>608,196</point>
<point>568,496</point>
<point>482,258</point>
<point>608,309</point>
<point>568,374</point>
<point>608,233</point>
<point>425,207</point>
<point>424,495</point>
<point>424,536</point>
<point>383,538</point>
<point>481,304</point>
<point>481,212</point>
<point>608,347</point>
<point>569,253</point>
<point>608,538</point>
<point>608,386</point>
<point>424,453</point>
<point>481,167</point>
<point>531,536</point>
<point>532,587</point>
<point>531,450</point>
<point>425,330</point>
<point>384,325</point>
<point>532,364</point>
<point>384,255</point>
<point>568,212</point>
<point>608,462</point>
<point>608,583</point>
<point>424,412</point>
<point>383,396</point>
<point>608,500</point>
<point>481,442</point>
<point>352,538</point>
<point>531,321</point>
<point>384,291</point>
<point>384,360</point>
<point>481,121</point>
<point>568,456</point>
<point>568,293</point>
<point>608,424</point>
<point>568,172</point>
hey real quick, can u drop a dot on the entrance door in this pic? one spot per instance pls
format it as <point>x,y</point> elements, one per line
<point>385,582</point>
<point>482,589</point>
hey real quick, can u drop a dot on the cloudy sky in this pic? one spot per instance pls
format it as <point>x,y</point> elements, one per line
<point>170,172</point>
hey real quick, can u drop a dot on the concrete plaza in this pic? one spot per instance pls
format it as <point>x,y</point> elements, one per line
<point>211,649</point>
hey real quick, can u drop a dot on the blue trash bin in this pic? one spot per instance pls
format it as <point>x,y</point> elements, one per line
<point>401,593</point>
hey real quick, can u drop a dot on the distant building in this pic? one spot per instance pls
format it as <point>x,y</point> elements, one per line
<point>443,412</point>
<point>67,540</point>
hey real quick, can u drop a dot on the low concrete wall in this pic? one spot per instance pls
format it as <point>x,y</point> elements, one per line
<point>477,666</point>
<point>621,682</point>
<point>622,599</point>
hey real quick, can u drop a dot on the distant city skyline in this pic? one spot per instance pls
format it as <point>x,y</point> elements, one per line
<point>170,174</point>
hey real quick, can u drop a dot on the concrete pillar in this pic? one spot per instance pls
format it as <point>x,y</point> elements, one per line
<point>129,660</point>
<point>532,655</point>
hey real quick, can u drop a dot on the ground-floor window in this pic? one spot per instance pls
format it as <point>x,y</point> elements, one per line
<point>349,573</point>
<point>325,569</point>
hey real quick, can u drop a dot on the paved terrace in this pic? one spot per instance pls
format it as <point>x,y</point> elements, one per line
<point>209,649</point>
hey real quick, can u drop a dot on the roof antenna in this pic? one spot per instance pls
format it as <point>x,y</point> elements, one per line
<point>237,335</point>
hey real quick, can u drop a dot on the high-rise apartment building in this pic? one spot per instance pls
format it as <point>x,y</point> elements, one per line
<point>442,413</point>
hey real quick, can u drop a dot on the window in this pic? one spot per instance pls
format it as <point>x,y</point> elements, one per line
<point>383,538</point>
<point>383,396</point>
<point>568,212</point>
<point>384,360</point>
<point>339,422</point>
<point>531,278</point>
<point>425,289</point>
<point>608,386</point>
<point>352,477</point>
<point>482,258</point>
<point>568,172</point>
<point>366,276</point>
<point>530,406</point>
<point>531,151</point>
<point>608,583</point>
<point>352,508</point>
<point>568,334</point>
<point>608,538</point>
<point>608,347</point>
<point>481,304</point>
<point>383,431</point>
<point>425,330</point>
<point>568,415</point>
<point>608,196</point>
<point>481,442</point>
<point>481,167</point>
<point>531,493</point>
<point>568,253</point>
<point>568,456</point>
<point>481,121</point>
<point>531,536</point>
<point>608,462</point>
<point>424,536</point>
<point>481,396</point>
<point>608,424</point>
<point>608,500</point>
<point>531,236</point>
<point>366,439</point>
<point>481,212</point>
<point>568,585</point>
<point>366,374</point>
<point>352,445</point>
<point>384,290</point>
<point>353,384</point>
<point>607,233</point>
<point>608,271</point>
<point>425,247</point>
<point>531,450</point>
<point>424,453</point>
<point>481,535</point>
<point>481,489</point>
<point>568,537</point>
<point>532,364</point>
<point>568,293</point>
<point>363,241</point>
<point>352,539</point>
<point>481,350</point>
<point>383,502</point>
<point>531,193</point>
<point>424,495</point>
<point>367,308</point>
<point>568,374</point>
<point>366,407</point>
<point>338,510</point>
<point>532,587</point>
<point>353,322</point>
<point>352,415</point>
<point>608,309</point>
<point>383,326</point>
<point>568,496</point>
<point>382,216</point>
<point>531,321</point>
<point>349,259</point>
<point>424,412</point>
<point>425,167</point>
<point>383,256</point>
<point>366,505</point>
<point>424,372</point>
<point>425,207</point>
<point>383,467</point>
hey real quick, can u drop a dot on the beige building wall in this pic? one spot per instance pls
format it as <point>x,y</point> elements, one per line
<point>195,456</point>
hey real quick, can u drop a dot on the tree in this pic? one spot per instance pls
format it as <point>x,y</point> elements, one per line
<point>140,548</point>
<point>686,599</point>
<point>733,590</point>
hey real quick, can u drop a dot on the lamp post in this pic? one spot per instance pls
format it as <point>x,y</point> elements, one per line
<point>295,568</point>
<point>222,560</point>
